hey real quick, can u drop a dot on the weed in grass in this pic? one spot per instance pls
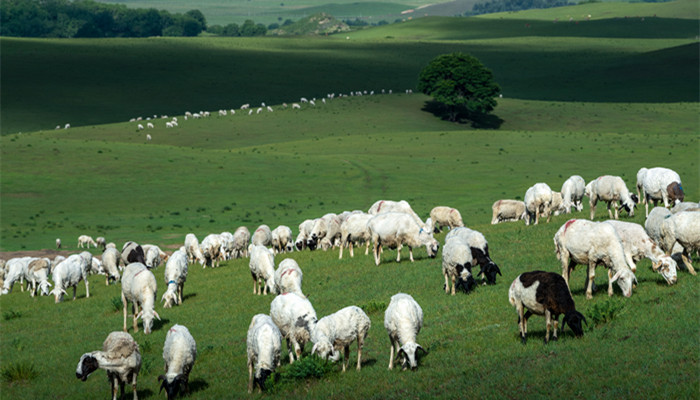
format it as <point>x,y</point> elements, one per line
<point>373,306</point>
<point>11,314</point>
<point>18,371</point>
<point>17,344</point>
<point>117,304</point>
<point>311,367</point>
<point>604,312</point>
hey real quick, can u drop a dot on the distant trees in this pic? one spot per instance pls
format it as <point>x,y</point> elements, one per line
<point>249,28</point>
<point>494,6</point>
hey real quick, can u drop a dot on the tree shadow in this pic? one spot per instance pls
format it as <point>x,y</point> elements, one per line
<point>478,121</point>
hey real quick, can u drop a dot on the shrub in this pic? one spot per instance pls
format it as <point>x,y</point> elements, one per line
<point>604,312</point>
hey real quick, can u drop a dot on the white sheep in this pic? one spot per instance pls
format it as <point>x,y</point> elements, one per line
<point>226,239</point>
<point>682,228</point>
<point>120,357</point>
<point>194,252</point>
<point>139,287</point>
<point>456,265</point>
<point>653,224</point>
<point>384,206</point>
<point>68,273</point>
<point>264,345</point>
<point>262,269</point>
<point>179,355</point>
<point>304,232</point>
<point>610,189</point>
<point>282,239</point>
<point>557,206</point>
<point>507,210</point>
<point>16,270</point>
<point>175,276</point>
<point>538,201</point>
<point>397,229</point>
<point>262,236</point>
<point>354,231</point>
<point>294,316</point>
<point>640,184</point>
<point>446,216</point>
<point>211,250</point>
<point>241,239</point>
<point>661,184</point>
<point>110,262</point>
<point>149,126</point>
<point>85,240</point>
<point>572,192</point>
<point>101,242</point>
<point>58,243</point>
<point>590,243</point>
<point>337,331</point>
<point>153,259</point>
<point>288,277</point>
<point>403,321</point>
<point>38,276</point>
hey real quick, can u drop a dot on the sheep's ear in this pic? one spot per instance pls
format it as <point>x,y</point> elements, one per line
<point>656,266</point>
<point>617,275</point>
<point>313,350</point>
<point>419,347</point>
<point>139,314</point>
<point>162,385</point>
<point>156,314</point>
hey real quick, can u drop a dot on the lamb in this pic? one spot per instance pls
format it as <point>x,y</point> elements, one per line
<point>682,228</point>
<point>179,354</point>
<point>456,265</point>
<point>139,287</point>
<point>120,357</point>
<point>211,250</point>
<point>337,331</point>
<point>85,240</point>
<point>262,269</point>
<point>396,229</point>
<point>264,345</point>
<point>288,277</point>
<point>354,230</point>
<point>544,293</point>
<point>110,263</point>
<point>194,252</point>
<point>304,232</point>
<point>282,239</point>
<point>241,239</point>
<point>294,316</point>
<point>38,275</point>
<point>132,252</point>
<point>175,277</point>
<point>226,239</point>
<point>16,271</point>
<point>592,243</point>
<point>446,216</point>
<point>480,252</point>
<point>508,210</point>
<point>326,227</point>
<point>610,189</point>
<point>572,192</point>
<point>638,244</point>
<point>661,184</point>
<point>262,236</point>
<point>538,201</point>
<point>68,273</point>
<point>403,320</point>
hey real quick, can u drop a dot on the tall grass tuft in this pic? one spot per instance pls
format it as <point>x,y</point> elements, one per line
<point>11,314</point>
<point>310,367</point>
<point>18,371</point>
<point>604,312</point>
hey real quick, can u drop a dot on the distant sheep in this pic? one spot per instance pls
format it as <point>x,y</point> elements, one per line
<point>211,250</point>
<point>38,276</point>
<point>120,357</point>
<point>446,216</point>
<point>241,240</point>
<point>403,321</point>
<point>507,210</point>
<point>86,241</point>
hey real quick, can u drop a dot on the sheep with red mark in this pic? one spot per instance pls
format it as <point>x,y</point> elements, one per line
<point>446,216</point>
<point>262,236</point>
<point>385,206</point>
<point>288,277</point>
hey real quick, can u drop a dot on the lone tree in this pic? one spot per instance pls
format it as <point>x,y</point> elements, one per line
<point>461,84</point>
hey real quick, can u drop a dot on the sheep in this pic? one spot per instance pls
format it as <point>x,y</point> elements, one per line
<point>211,250</point>
<point>446,216</point>
<point>396,229</point>
<point>480,252</point>
<point>685,206</point>
<point>544,293</point>
<point>241,238</point>
<point>288,277</point>
<point>157,256</point>
<point>194,252</point>
<point>37,274</point>
<point>507,210</point>
<point>16,270</point>
<point>640,184</point>
<point>337,331</point>
<point>383,206</point>
<point>179,354</point>
<point>638,244</point>
<point>557,206</point>
<point>264,345</point>
<point>68,273</point>
<point>682,228</point>
<point>403,320</point>
<point>304,232</point>
<point>262,236</point>
<point>85,240</point>
<point>226,239</point>
<point>538,200</point>
<point>592,243</point>
<point>120,357</point>
<point>139,287</point>
<point>282,239</point>
<point>653,224</point>
<point>139,127</point>
<point>175,277</point>
<point>353,231</point>
<point>101,242</point>
<point>295,106</point>
<point>610,189</point>
<point>110,262</point>
<point>132,252</point>
<point>262,269</point>
<point>661,184</point>
<point>456,265</point>
<point>58,243</point>
<point>294,316</point>
<point>326,227</point>
<point>149,126</point>
<point>572,192</point>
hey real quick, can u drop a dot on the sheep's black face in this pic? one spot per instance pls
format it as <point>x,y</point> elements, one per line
<point>575,319</point>
<point>312,242</point>
<point>489,272</point>
<point>465,285</point>
<point>299,245</point>
<point>260,381</point>
<point>87,365</point>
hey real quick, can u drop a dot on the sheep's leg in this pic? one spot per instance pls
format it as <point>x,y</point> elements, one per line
<point>685,256</point>
<point>610,285</point>
<point>537,215</point>
<point>398,252</point>
<point>180,289</point>
<point>592,204</point>
<point>290,349</point>
<point>591,278</point>
<point>367,248</point>
<point>453,285</point>
<point>250,377</point>
<point>87,288</point>
<point>548,322</point>
<point>340,253</point>
<point>410,253</point>
<point>124,306</point>
<point>360,344</point>
<point>391,355</point>
<point>75,290</point>
<point>556,326</point>
<point>521,322</point>
<point>350,247</point>
<point>375,252</point>
<point>447,284</point>
<point>136,311</point>
<point>121,389</point>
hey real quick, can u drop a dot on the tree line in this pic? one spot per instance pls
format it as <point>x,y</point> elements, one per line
<point>494,6</point>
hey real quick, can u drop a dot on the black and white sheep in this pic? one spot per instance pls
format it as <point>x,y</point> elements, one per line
<point>397,229</point>
<point>456,265</point>
<point>337,331</point>
<point>119,356</point>
<point>175,277</point>
<point>507,210</point>
<point>179,354</point>
<point>544,293</point>
<point>325,232</point>
<point>661,184</point>
<point>611,189</point>
<point>139,287</point>
<point>403,320</point>
<point>480,252</point>
<point>264,345</point>
<point>132,252</point>
<point>572,192</point>
<point>538,201</point>
<point>446,216</point>
<point>295,317</point>
<point>262,269</point>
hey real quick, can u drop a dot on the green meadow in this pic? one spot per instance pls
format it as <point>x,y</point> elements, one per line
<point>605,96</point>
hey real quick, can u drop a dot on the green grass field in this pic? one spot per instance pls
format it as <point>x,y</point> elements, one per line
<point>572,105</point>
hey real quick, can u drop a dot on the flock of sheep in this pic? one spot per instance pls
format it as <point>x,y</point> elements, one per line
<point>615,244</point>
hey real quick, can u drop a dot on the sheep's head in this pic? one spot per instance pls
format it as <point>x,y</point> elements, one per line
<point>465,279</point>
<point>312,242</point>
<point>172,385</point>
<point>147,318</point>
<point>324,350</point>
<point>58,294</point>
<point>289,247</point>
<point>44,288</point>
<point>407,355</point>
<point>87,365</point>
<point>489,272</point>
<point>326,244</point>
<point>299,244</point>
<point>666,266</point>
<point>431,245</point>
<point>169,298</point>
<point>625,280</point>
<point>260,377</point>
<point>574,319</point>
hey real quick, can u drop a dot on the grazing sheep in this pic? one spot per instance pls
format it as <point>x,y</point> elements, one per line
<point>58,243</point>
<point>590,243</point>
<point>179,354</point>
<point>384,206</point>
<point>538,201</point>
<point>682,228</point>
<point>396,229</point>
<point>456,265</point>
<point>661,184</point>
<point>326,231</point>
<point>154,255</point>
<point>638,244</point>
<point>480,252</point>
<point>557,206</point>
<point>38,275</point>
<point>194,252</point>
<point>572,192</point>
<point>175,277</point>
<point>132,252</point>
<point>337,331</point>
<point>110,262</point>
<point>446,216</point>
<point>101,242</point>
<point>282,239</point>
<point>294,316</point>
<point>353,231</point>
<point>68,273</point>
<point>653,224</point>
<point>241,239</point>
<point>226,239</point>
<point>610,189</point>
<point>544,293</point>
<point>264,345</point>
<point>508,210</point>
<point>304,232</point>
<point>288,277</point>
<point>262,236</point>
<point>262,268</point>
<point>86,241</point>
<point>211,250</point>
<point>120,357</point>
<point>16,271</point>
<point>139,287</point>
<point>403,320</point>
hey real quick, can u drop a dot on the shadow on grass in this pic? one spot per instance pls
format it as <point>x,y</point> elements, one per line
<point>198,385</point>
<point>188,295</point>
<point>159,323</point>
<point>142,393</point>
<point>478,121</point>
